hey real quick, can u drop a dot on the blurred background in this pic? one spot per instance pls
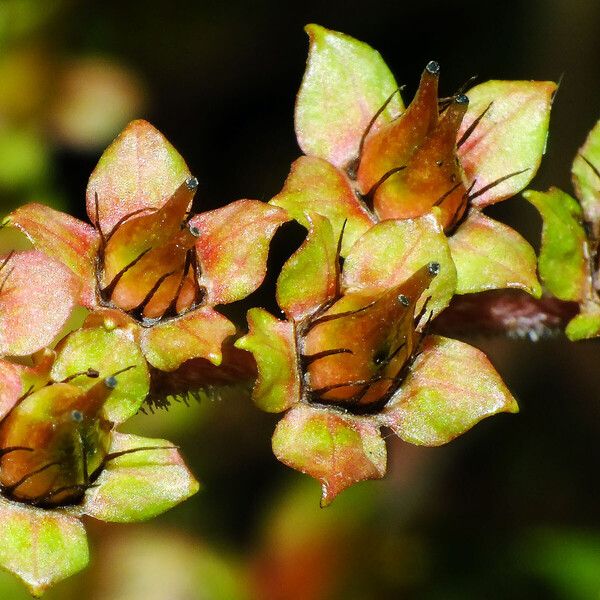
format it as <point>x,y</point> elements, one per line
<point>511,509</point>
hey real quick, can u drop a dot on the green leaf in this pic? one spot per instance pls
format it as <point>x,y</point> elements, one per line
<point>64,238</point>
<point>34,289</point>
<point>273,344</point>
<point>233,246</point>
<point>107,352</point>
<point>392,251</point>
<point>339,450</point>
<point>584,326</point>
<point>139,170</point>
<point>451,387</point>
<point>586,178</point>
<point>197,334</point>
<point>510,137</point>
<point>310,277</point>
<point>345,83</point>
<point>490,255</point>
<point>139,485</point>
<point>563,265</point>
<point>316,186</point>
<point>40,547</point>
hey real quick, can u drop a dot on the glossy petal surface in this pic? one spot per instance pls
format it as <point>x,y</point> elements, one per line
<point>272,343</point>
<point>451,387</point>
<point>490,255</point>
<point>107,352</point>
<point>562,262</point>
<point>586,178</point>
<point>64,238</point>
<point>140,485</point>
<point>510,137</point>
<point>310,277</point>
<point>198,334</point>
<point>336,449</point>
<point>392,251</point>
<point>345,83</point>
<point>233,247</point>
<point>40,547</point>
<point>140,169</point>
<point>37,295</point>
<point>316,186</point>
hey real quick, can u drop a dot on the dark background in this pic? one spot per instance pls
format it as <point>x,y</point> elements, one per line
<point>511,509</point>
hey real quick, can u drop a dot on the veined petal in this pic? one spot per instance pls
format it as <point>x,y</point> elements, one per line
<point>310,277</point>
<point>509,137</point>
<point>345,83</point>
<point>64,238</point>
<point>233,246</point>
<point>316,186</point>
<point>139,485</point>
<point>451,387</point>
<point>339,450</point>
<point>197,334</point>
<point>140,169</point>
<point>272,343</point>
<point>39,546</point>
<point>490,255</point>
<point>392,251</point>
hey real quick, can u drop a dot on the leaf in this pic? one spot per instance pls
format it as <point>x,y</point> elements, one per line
<point>106,351</point>
<point>337,449</point>
<point>40,547</point>
<point>316,186</point>
<point>139,485</point>
<point>510,137</point>
<point>197,334</point>
<point>233,247</point>
<point>392,251</point>
<point>140,169</point>
<point>563,265</point>
<point>310,277</point>
<point>490,255</point>
<point>273,345</point>
<point>451,387</point>
<point>345,83</point>
<point>34,290</point>
<point>64,238</point>
<point>584,326</point>
<point>586,178</point>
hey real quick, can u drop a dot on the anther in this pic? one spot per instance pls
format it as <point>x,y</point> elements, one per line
<point>461,99</point>
<point>404,300</point>
<point>77,416</point>
<point>433,67</point>
<point>195,231</point>
<point>433,268</point>
<point>111,382</point>
<point>191,183</point>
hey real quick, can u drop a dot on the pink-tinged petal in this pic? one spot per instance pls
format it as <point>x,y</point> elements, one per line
<point>310,277</point>
<point>11,386</point>
<point>141,484</point>
<point>337,449</point>
<point>490,255</point>
<point>509,137</point>
<point>40,547</point>
<point>345,83</point>
<point>37,295</point>
<point>233,246</point>
<point>316,186</point>
<point>586,178</point>
<point>273,345</point>
<point>108,351</point>
<point>392,251</point>
<point>68,240</point>
<point>139,170</point>
<point>451,387</point>
<point>198,334</point>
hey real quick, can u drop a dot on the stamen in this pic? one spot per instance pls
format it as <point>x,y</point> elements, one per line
<point>114,455</point>
<point>308,359</point>
<point>371,193</point>
<point>350,313</point>
<point>107,292</point>
<point>11,488</point>
<point>139,309</point>
<point>469,131</point>
<point>498,181</point>
<point>172,308</point>
<point>590,164</point>
<point>5,451</point>
<point>91,373</point>
<point>446,194</point>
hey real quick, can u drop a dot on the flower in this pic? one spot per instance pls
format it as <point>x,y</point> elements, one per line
<point>61,456</point>
<point>353,354</point>
<point>367,159</point>
<point>147,263</point>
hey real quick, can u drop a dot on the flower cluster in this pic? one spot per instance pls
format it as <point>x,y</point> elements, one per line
<point>95,315</point>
